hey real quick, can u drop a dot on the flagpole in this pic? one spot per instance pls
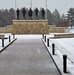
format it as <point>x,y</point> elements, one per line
<point>15,10</point>
<point>31,4</point>
<point>46,9</point>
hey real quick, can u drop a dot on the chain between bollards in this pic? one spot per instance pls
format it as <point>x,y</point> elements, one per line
<point>65,63</point>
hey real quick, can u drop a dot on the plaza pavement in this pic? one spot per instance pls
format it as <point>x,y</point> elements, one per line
<point>27,57</point>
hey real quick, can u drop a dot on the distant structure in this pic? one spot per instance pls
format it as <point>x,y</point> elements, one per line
<point>30,13</point>
<point>43,13</point>
<point>24,12</point>
<point>17,11</point>
<point>36,13</point>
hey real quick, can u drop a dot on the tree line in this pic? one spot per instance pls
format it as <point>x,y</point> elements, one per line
<point>54,18</point>
<point>6,17</point>
<point>70,17</point>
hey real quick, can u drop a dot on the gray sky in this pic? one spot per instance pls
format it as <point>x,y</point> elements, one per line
<point>61,5</point>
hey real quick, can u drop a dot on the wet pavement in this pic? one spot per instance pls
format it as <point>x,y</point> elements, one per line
<point>27,57</point>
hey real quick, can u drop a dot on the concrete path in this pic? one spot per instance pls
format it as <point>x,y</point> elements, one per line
<point>27,57</point>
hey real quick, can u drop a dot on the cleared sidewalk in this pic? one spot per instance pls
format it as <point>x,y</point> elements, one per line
<point>27,57</point>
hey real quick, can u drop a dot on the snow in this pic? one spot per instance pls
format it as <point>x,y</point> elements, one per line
<point>29,36</point>
<point>69,30</point>
<point>63,46</point>
<point>6,41</point>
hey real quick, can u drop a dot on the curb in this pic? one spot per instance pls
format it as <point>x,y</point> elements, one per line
<point>7,45</point>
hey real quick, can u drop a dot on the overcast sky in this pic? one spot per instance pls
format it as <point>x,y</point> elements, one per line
<point>61,5</point>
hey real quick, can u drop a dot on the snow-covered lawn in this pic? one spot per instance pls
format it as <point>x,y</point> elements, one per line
<point>63,46</point>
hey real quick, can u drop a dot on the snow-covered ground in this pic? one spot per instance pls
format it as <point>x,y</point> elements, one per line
<point>6,41</point>
<point>63,46</point>
<point>29,36</point>
<point>69,30</point>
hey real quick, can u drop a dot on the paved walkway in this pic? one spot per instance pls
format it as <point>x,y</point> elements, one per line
<point>27,57</point>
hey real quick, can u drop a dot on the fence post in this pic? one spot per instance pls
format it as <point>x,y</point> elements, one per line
<point>65,63</point>
<point>9,38</point>
<point>48,42</point>
<point>45,38</point>
<point>2,42</point>
<point>53,49</point>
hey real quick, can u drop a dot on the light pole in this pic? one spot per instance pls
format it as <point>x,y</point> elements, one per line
<point>46,9</point>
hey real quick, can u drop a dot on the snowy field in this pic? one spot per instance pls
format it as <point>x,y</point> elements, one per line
<point>63,46</point>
